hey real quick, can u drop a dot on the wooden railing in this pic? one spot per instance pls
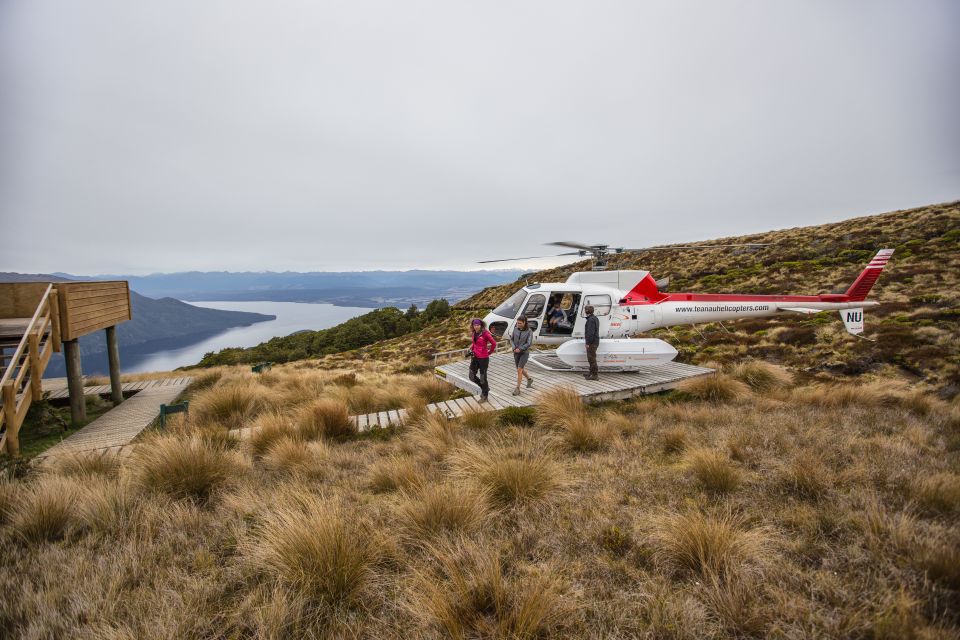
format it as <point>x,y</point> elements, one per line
<point>21,382</point>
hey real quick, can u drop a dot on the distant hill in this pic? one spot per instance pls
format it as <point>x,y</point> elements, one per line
<point>915,332</point>
<point>352,289</point>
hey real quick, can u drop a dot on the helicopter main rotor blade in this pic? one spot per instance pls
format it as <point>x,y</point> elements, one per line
<point>572,245</point>
<point>556,255</point>
<point>697,246</point>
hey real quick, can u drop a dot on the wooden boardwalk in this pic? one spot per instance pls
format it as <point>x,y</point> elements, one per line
<point>55,390</point>
<point>119,426</point>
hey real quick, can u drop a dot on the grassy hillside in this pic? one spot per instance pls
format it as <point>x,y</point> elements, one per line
<point>915,333</point>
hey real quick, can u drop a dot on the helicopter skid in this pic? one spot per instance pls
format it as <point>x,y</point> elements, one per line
<point>622,354</point>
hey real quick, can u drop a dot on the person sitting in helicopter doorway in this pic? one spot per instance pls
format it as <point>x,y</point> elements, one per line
<point>522,339</point>
<point>483,345</point>
<point>591,338</point>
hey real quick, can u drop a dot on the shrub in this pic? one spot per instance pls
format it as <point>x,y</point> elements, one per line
<point>316,548</point>
<point>703,544</point>
<point>230,403</point>
<point>519,416</point>
<point>716,388</point>
<point>557,408</point>
<point>713,470</point>
<point>939,492</point>
<point>469,594</point>
<point>393,473</point>
<point>44,510</point>
<point>296,457</point>
<point>268,429</point>
<point>511,475</point>
<point>86,464</point>
<point>432,509</point>
<point>325,419</point>
<point>184,467</point>
<point>761,376</point>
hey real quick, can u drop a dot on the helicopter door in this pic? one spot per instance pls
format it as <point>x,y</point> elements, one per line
<point>533,310</point>
<point>562,308</point>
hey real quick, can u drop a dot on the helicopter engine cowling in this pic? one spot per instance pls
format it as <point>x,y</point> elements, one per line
<point>619,353</point>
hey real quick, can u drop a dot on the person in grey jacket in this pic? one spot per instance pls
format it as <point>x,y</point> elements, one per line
<point>591,336</point>
<point>522,340</point>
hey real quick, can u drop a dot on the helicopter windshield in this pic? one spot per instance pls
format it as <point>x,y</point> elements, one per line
<point>510,308</point>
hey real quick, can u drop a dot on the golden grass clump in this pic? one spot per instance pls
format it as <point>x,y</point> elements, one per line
<point>428,389</point>
<point>45,509</point>
<point>204,380</point>
<point>433,436</point>
<point>298,458</point>
<point>477,419</point>
<point>717,388</point>
<point>470,594</point>
<point>85,464</point>
<point>8,498</point>
<point>187,468</point>
<point>511,474</point>
<point>268,428</point>
<point>674,440</point>
<point>231,402</point>
<point>106,506</point>
<point>939,492</point>
<point>705,545</point>
<point>557,408</point>
<point>586,434</point>
<point>394,473</point>
<point>432,509</point>
<point>325,419</point>
<point>317,548</point>
<point>713,470</point>
<point>807,476</point>
<point>761,376</point>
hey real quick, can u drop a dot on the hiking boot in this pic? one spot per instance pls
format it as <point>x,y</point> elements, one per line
<point>589,376</point>
<point>483,397</point>
<point>516,391</point>
<point>529,382</point>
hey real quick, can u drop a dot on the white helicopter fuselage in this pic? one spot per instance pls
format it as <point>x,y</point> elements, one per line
<point>627,303</point>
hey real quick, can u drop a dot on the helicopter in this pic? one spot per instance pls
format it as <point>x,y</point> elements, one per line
<point>630,302</point>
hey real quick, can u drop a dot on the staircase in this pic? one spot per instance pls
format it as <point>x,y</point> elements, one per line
<point>26,344</point>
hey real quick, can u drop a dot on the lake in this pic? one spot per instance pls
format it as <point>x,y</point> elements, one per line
<point>291,317</point>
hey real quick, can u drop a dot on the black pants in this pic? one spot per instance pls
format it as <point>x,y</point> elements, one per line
<point>478,373</point>
<point>592,358</point>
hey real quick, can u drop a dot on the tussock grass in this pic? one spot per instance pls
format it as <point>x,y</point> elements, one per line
<point>717,388</point>
<point>735,599</point>
<point>713,470</point>
<point>476,419</point>
<point>298,458</point>
<point>231,402</point>
<point>85,464</point>
<point>106,506</point>
<point>433,436</point>
<point>8,498</point>
<point>428,390</point>
<point>268,429</point>
<point>807,475</point>
<point>511,474</point>
<point>939,493</point>
<point>941,561</point>
<point>761,376</point>
<point>186,468</point>
<point>586,434</point>
<point>394,473</point>
<point>325,419</point>
<point>44,510</point>
<point>704,545</point>
<point>558,408</point>
<point>674,440</point>
<point>317,548</point>
<point>204,380</point>
<point>470,594</point>
<point>432,509</point>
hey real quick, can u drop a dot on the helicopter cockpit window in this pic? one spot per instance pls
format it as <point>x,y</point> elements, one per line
<point>535,305</point>
<point>601,304</point>
<point>510,308</point>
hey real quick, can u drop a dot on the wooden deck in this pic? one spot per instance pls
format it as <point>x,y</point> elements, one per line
<point>118,427</point>
<point>56,389</point>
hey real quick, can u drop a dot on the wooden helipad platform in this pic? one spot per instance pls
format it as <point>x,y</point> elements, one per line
<point>119,426</point>
<point>57,390</point>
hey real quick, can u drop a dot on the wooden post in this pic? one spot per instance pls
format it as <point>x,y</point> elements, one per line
<point>78,406</point>
<point>113,355</point>
<point>10,411</point>
<point>55,320</point>
<point>36,371</point>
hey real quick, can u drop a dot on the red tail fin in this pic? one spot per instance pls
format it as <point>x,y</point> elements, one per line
<point>864,282</point>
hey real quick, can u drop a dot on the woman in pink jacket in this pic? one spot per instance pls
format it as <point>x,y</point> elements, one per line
<point>483,345</point>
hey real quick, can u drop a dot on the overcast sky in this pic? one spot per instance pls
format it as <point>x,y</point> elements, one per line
<point>312,135</point>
